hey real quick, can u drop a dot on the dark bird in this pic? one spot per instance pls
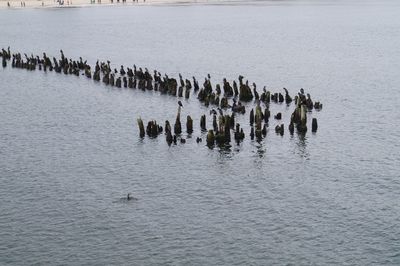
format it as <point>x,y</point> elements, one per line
<point>180,104</point>
<point>130,198</point>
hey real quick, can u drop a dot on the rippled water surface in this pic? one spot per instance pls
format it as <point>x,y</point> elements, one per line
<point>70,150</point>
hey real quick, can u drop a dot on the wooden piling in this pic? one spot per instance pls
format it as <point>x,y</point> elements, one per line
<point>314,125</point>
<point>210,138</point>
<point>189,125</point>
<point>252,117</point>
<point>141,127</point>
<point>203,122</point>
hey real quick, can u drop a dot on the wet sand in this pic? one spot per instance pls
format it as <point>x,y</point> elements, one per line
<point>14,4</point>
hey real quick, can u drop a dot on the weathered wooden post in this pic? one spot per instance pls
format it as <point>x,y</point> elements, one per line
<point>141,127</point>
<point>178,126</point>
<point>88,73</point>
<point>125,80</point>
<point>314,125</point>
<point>118,82</point>
<point>291,125</point>
<point>187,93</point>
<point>168,133</point>
<point>309,102</point>
<point>203,122</point>
<point>280,98</point>
<point>302,125</point>
<point>189,124</point>
<point>215,124</point>
<point>135,83</point>
<point>180,92</point>
<point>169,138</point>
<point>232,121</point>
<point>112,80</point>
<point>130,82</point>
<point>252,117</point>
<point>224,102</point>
<point>268,97</point>
<point>258,118</point>
<point>210,138</point>
<point>153,129</point>
<point>218,89</point>
<point>288,99</point>
<point>264,130</point>
<point>267,114</point>
<point>239,134</point>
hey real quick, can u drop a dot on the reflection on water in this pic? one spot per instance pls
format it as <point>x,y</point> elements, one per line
<point>301,143</point>
<point>261,150</point>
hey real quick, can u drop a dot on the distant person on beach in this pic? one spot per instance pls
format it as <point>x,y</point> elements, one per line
<point>8,4</point>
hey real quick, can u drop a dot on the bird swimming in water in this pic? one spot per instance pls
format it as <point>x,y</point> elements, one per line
<point>129,198</point>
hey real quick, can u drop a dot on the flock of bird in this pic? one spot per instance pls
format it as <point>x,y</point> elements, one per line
<point>226,101</point>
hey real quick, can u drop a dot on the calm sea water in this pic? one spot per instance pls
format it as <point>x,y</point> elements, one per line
<point>69,148</point>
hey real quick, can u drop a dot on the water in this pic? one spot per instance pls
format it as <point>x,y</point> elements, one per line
<point>69,148</point>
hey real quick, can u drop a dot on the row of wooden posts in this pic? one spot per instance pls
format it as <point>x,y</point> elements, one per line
<point>222,126</point>
<point>136,77</point>
<point>224,98</point>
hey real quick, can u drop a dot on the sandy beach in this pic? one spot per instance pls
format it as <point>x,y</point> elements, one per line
<point>18,4</point>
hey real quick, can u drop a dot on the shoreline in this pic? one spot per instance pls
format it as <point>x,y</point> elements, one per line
<point>24,4</point>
